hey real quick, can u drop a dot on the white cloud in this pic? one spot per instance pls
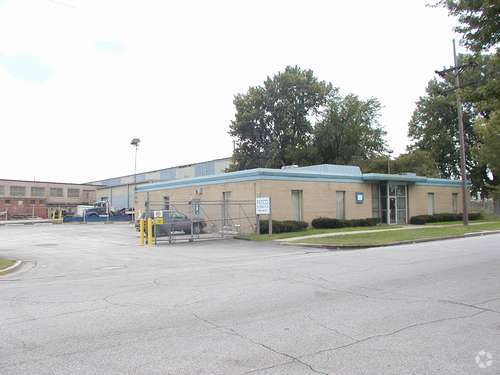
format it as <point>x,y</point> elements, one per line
<point>170,71</point>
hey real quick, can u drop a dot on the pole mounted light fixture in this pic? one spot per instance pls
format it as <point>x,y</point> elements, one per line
<point>135,142</point>
<point>389,153</point>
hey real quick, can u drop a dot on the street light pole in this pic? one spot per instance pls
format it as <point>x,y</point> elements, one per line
<point>465,202</point>
<point>389,153</point>
<point>135,142</point>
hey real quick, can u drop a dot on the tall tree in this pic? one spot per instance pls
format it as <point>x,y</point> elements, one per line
<point>434,128</point>
<point>479,22</point>
<point>418,161</point>
<point>349,131</point>
<point>272,125</point>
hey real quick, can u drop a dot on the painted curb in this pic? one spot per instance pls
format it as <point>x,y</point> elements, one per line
<point>12,268</point>
<point>408,242</point>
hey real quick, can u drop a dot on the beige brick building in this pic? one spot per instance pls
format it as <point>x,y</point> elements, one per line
<point>307,193</point>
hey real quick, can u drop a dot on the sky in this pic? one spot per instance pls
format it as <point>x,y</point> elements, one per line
<point>80,78</point>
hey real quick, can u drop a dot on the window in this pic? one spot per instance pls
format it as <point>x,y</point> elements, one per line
<point>297,205</point>
<point>7,201</point>
<point>56,192</point>
<point>2,190</point>
<point>166,203</point>
<point>73,193</point>
<point>454,202</point>
<point>33,201</point>
<point>18,191</point>
<point>340,205</point>
<point>37,192</point>
<point>430,203</point>
<point>87,195</point>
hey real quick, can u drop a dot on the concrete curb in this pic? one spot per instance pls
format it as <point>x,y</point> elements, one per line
<point>358,247</point>
<point>12,268</point>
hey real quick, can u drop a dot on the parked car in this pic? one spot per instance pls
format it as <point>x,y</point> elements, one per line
<point>173,222</point>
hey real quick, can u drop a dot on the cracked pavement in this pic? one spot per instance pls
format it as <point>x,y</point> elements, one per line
<point>88,300</point>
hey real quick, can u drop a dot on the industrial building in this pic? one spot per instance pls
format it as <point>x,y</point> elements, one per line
<point>25,199</point>
<point>305,193</point>
<point>119,191</point>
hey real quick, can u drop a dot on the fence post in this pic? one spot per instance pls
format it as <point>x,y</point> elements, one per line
<point>257,226</point>
<point>150,232</point>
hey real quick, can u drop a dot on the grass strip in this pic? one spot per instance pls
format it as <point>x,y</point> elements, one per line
<point>5,263</point>
<point>310,231</point>
<point>389,237</point>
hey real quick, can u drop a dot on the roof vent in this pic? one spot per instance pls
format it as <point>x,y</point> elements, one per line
<point>289,166</point>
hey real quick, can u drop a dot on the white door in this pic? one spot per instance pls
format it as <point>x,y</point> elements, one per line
<point>430,203</point>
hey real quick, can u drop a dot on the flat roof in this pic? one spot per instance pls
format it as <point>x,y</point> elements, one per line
<point>50,182</point>
<point>320,173</point>
<point>156,170</point>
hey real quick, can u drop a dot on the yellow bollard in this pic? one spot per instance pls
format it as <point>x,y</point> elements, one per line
<point>141,232</point>
<point>150,232</point>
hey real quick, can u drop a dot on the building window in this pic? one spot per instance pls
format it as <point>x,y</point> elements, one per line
<point>33,201</point>
<point>2,190</point>
<point>430,203</point>
<point>454,203</point>
<point>166,203</point>
<point>37,192</point>
<point>56,192</point>
<point>87,194</point>
<point>7,201</point>
<point>340,195</point>
<point>73,193</point>
<point>297,205</point>
<point>18,191</point>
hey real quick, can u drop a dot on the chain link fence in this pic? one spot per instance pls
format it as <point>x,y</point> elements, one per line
<point>198,220</point>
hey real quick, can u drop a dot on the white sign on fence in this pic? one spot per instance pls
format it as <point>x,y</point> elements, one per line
<point>262,206</point>
<point>157,214</point>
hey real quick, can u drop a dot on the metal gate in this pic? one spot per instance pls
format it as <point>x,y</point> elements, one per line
<point>197,220</point>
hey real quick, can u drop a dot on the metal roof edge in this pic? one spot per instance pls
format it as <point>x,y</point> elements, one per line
<point>248,175</point>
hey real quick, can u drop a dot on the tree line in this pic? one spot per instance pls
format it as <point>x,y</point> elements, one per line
<point>296,118</point>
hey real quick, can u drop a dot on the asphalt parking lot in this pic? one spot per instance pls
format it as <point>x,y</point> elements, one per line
<point>89,300</point>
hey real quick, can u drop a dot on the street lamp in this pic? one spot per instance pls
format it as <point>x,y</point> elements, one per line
<point>135,142</point>
<point>389,153</point>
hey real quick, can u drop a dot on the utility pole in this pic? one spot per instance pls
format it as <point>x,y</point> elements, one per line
<point>465,201</point>
<point>455,70</point>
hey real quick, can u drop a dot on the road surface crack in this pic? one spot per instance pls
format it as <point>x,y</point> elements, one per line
<point>395,332</point>
<point>232,331</point>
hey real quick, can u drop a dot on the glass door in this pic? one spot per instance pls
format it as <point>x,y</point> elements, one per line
<point>392,210</point>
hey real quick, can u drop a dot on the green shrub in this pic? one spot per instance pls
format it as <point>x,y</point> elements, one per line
<point>326,222</point>
<point>283,226</point>
<point>437,218</point>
